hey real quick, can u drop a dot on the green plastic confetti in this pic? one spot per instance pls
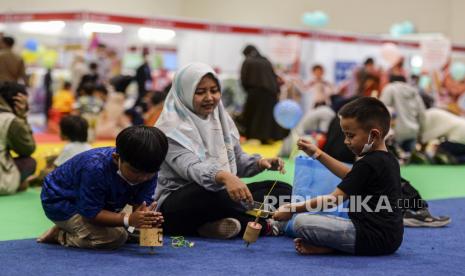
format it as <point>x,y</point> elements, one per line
<point>179,241</point>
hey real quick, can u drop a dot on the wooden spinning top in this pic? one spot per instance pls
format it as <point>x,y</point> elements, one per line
<point>252,232</point>
<point>152,237</point>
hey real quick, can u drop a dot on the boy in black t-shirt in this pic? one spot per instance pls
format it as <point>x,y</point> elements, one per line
<point>372,187</point>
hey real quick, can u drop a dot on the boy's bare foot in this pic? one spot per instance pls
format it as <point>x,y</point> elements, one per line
<point>50,236</point>
<point>304,248</point>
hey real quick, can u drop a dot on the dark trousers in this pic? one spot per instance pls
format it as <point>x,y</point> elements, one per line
<point>455,150</point>
<point>188,208</point>
<point>26,166</point>
<point>411,198</point>
<point>257,117</point>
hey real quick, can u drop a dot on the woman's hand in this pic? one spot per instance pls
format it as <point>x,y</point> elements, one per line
<point>21,107</point>
<point>274,164</point>
<point>283,213</point>
<point>236,189</point>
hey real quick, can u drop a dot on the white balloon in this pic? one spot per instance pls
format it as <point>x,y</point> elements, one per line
<point>391,53</point>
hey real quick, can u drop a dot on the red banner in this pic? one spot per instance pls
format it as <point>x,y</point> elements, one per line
<point>203,26</point>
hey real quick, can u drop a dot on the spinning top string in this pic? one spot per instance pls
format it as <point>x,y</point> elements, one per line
<point>257,216</point>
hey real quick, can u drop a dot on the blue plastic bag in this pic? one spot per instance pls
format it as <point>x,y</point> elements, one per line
<point>311,179</point>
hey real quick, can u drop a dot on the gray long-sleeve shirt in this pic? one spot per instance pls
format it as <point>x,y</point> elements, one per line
<point>409,108</point>
<point>182,167</point>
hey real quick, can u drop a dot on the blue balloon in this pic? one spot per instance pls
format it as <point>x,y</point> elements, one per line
<point>287,113</point>
<point>315,19</point>
<point>31,44</point>
<point>458,71</point>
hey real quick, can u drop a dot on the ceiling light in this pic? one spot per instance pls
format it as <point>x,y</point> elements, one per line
<point>42,27</point>
<point>89,28</point>
<point>155,35</point>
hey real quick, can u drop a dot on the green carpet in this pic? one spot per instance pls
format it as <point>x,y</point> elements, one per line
<point>436,182</point>
<point>433,182</point>
<point>22,217</point>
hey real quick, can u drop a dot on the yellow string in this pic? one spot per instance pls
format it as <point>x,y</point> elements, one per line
<point>257,216</point>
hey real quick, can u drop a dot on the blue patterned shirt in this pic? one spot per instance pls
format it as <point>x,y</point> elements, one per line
<point>87,184</point>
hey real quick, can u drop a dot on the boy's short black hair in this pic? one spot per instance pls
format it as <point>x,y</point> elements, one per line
<point>143,147</point>
<point>369,112</point>
<point>8,90</point>
<point>74,128</point>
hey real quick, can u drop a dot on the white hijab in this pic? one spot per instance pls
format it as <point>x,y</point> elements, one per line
<point>211,138</point>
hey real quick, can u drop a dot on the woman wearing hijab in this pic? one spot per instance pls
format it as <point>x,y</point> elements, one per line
<point>199,189</point>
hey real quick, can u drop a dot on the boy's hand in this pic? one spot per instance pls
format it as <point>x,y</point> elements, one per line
<point>159,220</point>
<point>144,207</point>
<point>274,164</point>
<point>307,146</point>
<point>158,215</point>
<point>145,217</point>
<point>283,213</point>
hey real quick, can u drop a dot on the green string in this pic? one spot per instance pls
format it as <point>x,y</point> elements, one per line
<point>179,241</point>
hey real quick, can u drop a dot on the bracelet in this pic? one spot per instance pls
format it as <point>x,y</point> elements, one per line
<point>317,154</point>
<point>126,220</point>
<point>126,223</point>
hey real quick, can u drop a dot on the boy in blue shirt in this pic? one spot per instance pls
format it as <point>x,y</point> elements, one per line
<point>84,196</point>
<point>372,187</point>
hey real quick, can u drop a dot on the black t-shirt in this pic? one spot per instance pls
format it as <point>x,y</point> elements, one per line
<point>374,181</point>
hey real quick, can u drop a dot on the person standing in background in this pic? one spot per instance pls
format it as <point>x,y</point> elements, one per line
<point>78,70</point>
<point>318,91</point>
<point>104,63</point>
<point>143,78</point>
<point>48,81</point>
<point>11,65</point>
<point>91,77</point>
<point>368,78</point>
<point>261,84</point>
